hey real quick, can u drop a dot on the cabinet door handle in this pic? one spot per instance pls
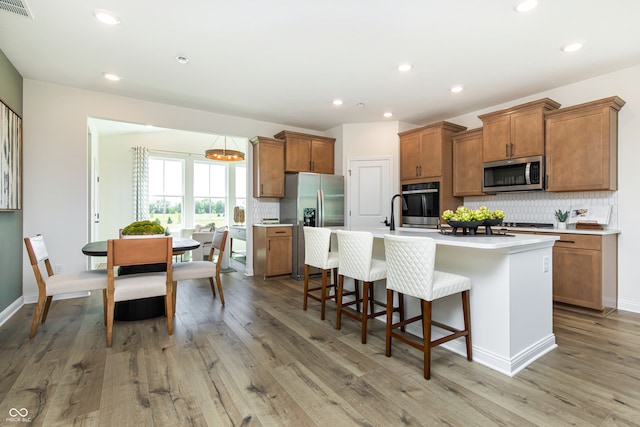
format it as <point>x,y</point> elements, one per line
<point>311,166</point>
<point>261,189</point>
<point>506,150</point>
<point>511,150</point>
<point>567,241</point>
<point>280,232</point>
<point>417,171</point>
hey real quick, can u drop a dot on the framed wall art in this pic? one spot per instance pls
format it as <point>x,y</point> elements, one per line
<point>10,159</point>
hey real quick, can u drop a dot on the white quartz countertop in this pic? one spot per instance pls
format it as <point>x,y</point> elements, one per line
<point>477,242</point>
<point>273,225</point>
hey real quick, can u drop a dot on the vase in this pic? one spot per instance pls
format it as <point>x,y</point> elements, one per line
<point>562,226</point>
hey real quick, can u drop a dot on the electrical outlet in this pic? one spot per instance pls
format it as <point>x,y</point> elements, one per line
<point>59,268</point>
<point>545,264</point>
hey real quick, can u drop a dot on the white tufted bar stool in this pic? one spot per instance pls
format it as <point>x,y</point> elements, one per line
<point>411,271</point>
<point>317,242</point>
<point>355,250</point>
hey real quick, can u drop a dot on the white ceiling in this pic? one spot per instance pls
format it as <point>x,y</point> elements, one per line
<point>284,61</point>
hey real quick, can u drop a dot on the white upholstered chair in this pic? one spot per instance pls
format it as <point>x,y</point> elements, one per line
<point>317,242</point>
<point>203,269</point>
<point>355,259</point>
<point>136,252</point>
<point>57,284</point>
<point>411,271</point>
<point>205,238</point>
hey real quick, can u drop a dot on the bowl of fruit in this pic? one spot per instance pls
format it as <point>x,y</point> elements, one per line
<point>469,219</point>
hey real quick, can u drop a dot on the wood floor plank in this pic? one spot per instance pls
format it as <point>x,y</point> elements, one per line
<point>263,361</point>
<point>125,396</point>
<point>80,387</point>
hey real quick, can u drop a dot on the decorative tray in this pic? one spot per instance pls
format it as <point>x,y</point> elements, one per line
<point>463,232</point>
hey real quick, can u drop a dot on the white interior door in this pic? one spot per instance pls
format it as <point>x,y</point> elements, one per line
<point>369,199</point>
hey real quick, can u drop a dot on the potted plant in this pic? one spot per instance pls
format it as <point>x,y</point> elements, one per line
<point>562,216</point>
<point>144,228</point>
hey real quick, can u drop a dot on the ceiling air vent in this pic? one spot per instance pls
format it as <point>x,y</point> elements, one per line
<point>19,7</point>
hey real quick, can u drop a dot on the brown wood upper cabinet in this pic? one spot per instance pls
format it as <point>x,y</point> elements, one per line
<point>515,132</point>
<point>307,153</point>
<point>268,167</point>
<point>582,146</point>
<point>467,163</point>
<point>426,152</point>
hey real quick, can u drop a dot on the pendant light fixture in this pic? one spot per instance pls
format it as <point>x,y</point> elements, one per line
<point>223,154</point>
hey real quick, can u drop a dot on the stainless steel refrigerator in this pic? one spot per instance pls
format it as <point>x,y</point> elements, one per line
<point>311,199</point>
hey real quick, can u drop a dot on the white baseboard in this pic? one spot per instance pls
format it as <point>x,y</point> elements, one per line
<point>629,306</point>
<point>11,310</point>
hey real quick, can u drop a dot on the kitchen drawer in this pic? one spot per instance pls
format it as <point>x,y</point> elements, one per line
<point>279,231</point>
<point>579,241</point>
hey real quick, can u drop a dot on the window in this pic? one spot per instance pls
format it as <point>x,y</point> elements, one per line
<point>210,193</point>
<point>166,191</point>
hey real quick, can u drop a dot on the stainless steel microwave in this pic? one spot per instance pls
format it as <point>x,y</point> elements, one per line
<point>523,174</point>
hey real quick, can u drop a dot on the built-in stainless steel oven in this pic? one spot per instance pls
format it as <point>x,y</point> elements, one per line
<point>423,205</point>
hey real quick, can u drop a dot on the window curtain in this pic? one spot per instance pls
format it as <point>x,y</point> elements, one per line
<point>140,183</point>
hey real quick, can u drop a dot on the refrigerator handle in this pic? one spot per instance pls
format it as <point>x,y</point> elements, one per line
<point>320,208</point>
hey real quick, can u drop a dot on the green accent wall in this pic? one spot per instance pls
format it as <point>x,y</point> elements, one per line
<point>11,243</point>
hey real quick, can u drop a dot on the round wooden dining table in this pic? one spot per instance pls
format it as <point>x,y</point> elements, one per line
<point>144,308</point>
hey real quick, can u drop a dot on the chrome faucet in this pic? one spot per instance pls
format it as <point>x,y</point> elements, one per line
<point>392,225</point>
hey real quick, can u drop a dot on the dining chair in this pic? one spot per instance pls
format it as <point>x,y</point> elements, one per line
<point>317,242</point>
<point>205,238</point>
<point>139,252</point>
<point>355,260</point>
<point>52,284</point>
<point>203,269</point>
<point>411,271</point>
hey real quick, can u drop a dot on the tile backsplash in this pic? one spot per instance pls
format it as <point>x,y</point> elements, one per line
<point>265,208</point>
<point>533,206</point>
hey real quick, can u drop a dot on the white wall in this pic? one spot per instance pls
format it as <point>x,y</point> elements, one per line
<point>56,159</point>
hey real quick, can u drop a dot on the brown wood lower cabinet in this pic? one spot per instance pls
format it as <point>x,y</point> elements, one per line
<point>272,250</point>
<point>585,271</point>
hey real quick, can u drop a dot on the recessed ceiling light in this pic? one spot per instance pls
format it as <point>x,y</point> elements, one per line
<point>360,105</point>
<point>572,47</point>
<point>106,17</point>
<point>456,89</point>
<point>337,102</point>
<point>526,5</point>
<point>388,114</point>
<point>404,67</point>
<point>182,59</point>
<point>111,76</point>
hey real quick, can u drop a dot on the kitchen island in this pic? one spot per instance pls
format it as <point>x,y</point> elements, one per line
<point>511,294</point>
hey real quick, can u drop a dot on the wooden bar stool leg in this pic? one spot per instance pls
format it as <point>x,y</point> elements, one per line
<point>306,286</point>
<point>426,333</point>
<point>323,297</point>
<point>365,313</point>
<point>356,288</point>
<point>387,351</point>
<point>401,309</point>
<point>467,323</point>
<point>339,308</point>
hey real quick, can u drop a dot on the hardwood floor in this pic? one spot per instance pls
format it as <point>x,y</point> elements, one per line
<point>263,361</point>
